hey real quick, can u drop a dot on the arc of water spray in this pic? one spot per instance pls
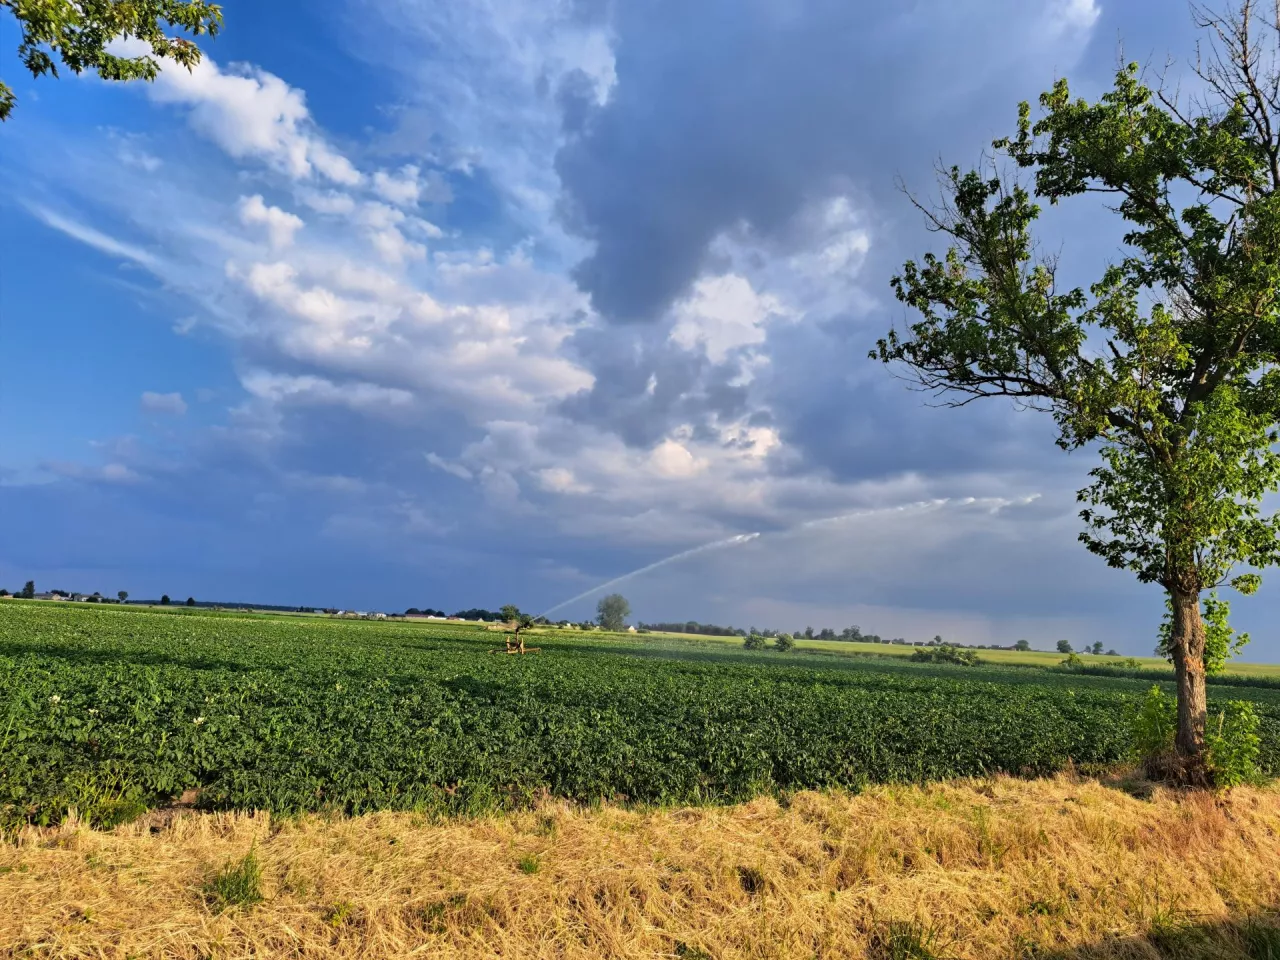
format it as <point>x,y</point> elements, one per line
<point>995,504</point>
<point>877,511</point>
<point>728,542</point>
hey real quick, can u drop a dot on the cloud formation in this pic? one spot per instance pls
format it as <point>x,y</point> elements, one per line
<point>280,225</point>
<point>602,274</point>
<point>251,113</point>
<point>170,403</point>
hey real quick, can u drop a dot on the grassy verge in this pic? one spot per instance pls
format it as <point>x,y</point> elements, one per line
<point>1060,867</point>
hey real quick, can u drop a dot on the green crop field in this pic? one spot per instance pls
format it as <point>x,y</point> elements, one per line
<point>111,710</point>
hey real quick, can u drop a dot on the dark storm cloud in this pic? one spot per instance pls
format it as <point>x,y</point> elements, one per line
<point>646,385</point>
<point>728,112</point>
<point>853,419</point>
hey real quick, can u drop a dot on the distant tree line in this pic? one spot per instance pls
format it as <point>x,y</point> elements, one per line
<point>478,613</point>
<point>692,626</point>
<point>612,610</point>
<point>28,592</point>
<point>852,634</point>
<point>475,613</point>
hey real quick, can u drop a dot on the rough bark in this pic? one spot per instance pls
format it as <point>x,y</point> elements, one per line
<point>1187,646</point>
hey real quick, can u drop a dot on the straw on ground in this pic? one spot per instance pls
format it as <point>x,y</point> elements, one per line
<point>984,868</point>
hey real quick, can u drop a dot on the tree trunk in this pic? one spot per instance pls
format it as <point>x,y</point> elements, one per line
<point>1187,646</point>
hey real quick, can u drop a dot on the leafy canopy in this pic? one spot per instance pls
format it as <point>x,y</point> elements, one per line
<point>1171,360</point>
<point>519,621</point>
<point>77,33</point>
<point>612,611</point>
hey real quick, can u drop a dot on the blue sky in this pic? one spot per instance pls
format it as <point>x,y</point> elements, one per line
<point>455,303</point>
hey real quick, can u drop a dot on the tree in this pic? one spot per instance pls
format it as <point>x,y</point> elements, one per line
<point>123,595</point>
<point>1064,646</point>
<point>1097,648</point>
<point>28,590</point>
<point>946,654</point>
<point>784,643</point>
<point>1022,645</point>
<point>612,612</point>
<point>77,34</point>
<point>1220,640</point>
<point>753,641</point>
<point>1170,363</point>
<point>191,601</point>
<point>164,600</point>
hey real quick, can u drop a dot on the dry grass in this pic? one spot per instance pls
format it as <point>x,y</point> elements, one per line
<point>999,868</point>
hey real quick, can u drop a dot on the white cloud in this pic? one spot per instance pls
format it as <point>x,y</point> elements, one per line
<point>249,112</point>
<point>170,403</point>
<point>129,151</point>
<point>394,247</point>
<point>481,100</point>
<point>722,314</point>
<point>561,480</point>
<point>1074,14</point>
<point>454,469</point>
<point>425,227</point>
<point>108,473</point>
<point>501,489</point>
<point>308,389</point>
<point>93,238</point>
<point>118,473</point>
<point>838,243</point>
<point>280,224</point>
<point>332,202</point>
<point>382,224</point>
<point>674,460</point>
<point>402,188</point>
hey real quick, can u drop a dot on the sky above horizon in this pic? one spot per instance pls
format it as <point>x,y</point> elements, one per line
<point>391,303</point>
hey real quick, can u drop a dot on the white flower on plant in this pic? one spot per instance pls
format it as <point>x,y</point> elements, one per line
<point>198,720</point>
<point>55,699</point>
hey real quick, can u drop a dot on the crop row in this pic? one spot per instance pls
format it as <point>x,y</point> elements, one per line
<point>114,711</point>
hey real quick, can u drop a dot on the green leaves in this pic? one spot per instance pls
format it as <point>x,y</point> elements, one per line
<point>313,714</point>
<point>994,323</point>
<point>78,34</point>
